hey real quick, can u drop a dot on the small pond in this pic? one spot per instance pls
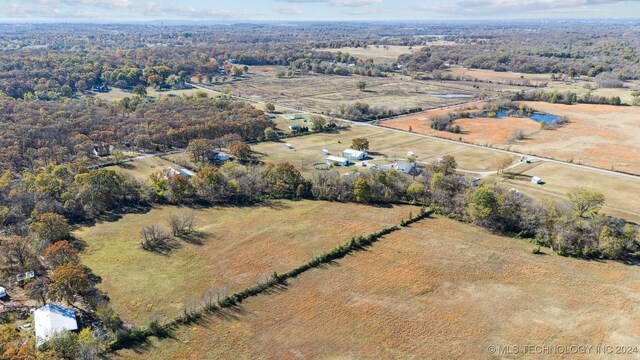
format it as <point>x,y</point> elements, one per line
<point>537,117</point>
<point>452,96</point>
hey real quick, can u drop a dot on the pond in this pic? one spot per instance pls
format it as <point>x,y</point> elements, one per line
<point>537,117</point>
<point>452,96</point>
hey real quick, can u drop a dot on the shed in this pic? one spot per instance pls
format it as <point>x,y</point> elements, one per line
<point>536,180</point>
<point>51,319</point>
<point>411,154</point>
<point>354,154</point>
<point>324,152</point>
<point>293,117</point>
<point>294,127</point>
<point>219,156</point>
<point>337,160</point>
<point>3,292</point>
<point>289,146</point>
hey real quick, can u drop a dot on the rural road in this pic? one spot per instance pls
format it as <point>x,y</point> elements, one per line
<point>145,156</point>
<point>508,152</point>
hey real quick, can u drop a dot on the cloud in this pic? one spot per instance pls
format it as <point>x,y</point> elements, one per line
<point>516,8</point>
<point>349,3</point>
<point>288,10</point>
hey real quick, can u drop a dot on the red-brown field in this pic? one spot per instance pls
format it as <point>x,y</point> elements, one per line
<point>439,289</point>
<point>599,135</point>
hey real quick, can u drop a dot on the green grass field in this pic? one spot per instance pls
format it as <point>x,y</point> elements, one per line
<point>237,246</point>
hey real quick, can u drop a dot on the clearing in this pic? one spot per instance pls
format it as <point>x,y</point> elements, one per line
<point>236,247</point>
<point>438,287</point>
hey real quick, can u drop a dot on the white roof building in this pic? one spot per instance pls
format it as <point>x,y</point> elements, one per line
<point>3,292</point>
<point>536,180</point>
<point>337,160</point>
<point>354,154</point>
<point>182,172</point>
<point>51,319</point>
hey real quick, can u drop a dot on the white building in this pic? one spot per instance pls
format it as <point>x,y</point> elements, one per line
<point>536,180</point>
<point>3,292</point>
<point>51,319</point>
<point>324,152</point>
<point>181,172</point>
<point>337,160</point>
<point>354,154</point>
<point>219,156</point>
<point>411,154</point>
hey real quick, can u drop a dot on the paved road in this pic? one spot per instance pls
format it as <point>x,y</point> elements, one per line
<point>533,158</point>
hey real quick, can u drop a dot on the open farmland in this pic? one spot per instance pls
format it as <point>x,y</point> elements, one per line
<point>237,246</point>
<point>604,136</point>
<point>325,93</point>
<point>560,179</point>
<point>437,287</point>
<point>118,94</point>
<point>381,54</point>
<point>500,77</point>
<point>384,143</point>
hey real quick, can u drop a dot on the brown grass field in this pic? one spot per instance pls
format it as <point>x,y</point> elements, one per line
<point>504,77</point>
<point>118,94</point>
<point>238,246</point>
<point>323,93</point>
<point>619,192</point>
<point>438,289</point>
<point>599,135</point>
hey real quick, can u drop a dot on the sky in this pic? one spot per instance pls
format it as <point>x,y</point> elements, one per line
<point>294,10</point>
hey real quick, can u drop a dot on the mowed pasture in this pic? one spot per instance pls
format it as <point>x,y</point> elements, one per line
<point>325,93</point>
<point>140,169</point>
<point>604,136</point>
<point>620,192</point>
<point>438,289</point>
<point>383,144</point>
<point>118,94</point>
<point>234,248</point>
<point>380,54</point>
<point>500,77</point>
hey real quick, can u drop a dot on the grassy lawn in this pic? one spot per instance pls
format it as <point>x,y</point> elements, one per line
<point>438,287</point>
<point>383,143</point>
<point>620,199</point>
<point>238,246</point>
<point>142,168</point>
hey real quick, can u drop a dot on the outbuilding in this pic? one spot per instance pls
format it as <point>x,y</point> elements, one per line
<point>3,292</point>
<point>51,319</point>
<point>180,172</point>
<point>354,154</point>
<point>536,180</point>
<point>324,152</point>
<point>337,160</point>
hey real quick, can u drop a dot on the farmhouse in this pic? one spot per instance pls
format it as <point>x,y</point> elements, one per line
<point>51,319</point>
<point>354,154</point>
<point>536,180</point>
<point>178,172</point>
<point>407,167</point>
<point>337,160</point>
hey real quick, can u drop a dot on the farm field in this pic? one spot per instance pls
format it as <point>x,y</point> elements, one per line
<point>437,287</point>
<point>604,136</point>
<point>619,192</point>
<point>325,93</point>
<point>503,77</point>
<point>380,54</point>
<point>580,89</point>
<point>140,169</point>
<point>383,144</point>
<point>118,94</point>
<point>236,247</point>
